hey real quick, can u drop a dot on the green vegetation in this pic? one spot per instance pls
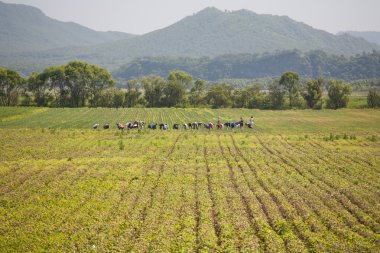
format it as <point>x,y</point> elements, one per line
<point>71,85</point>
<point>338,94</point>
<point>80,84</point>
<point>312,64</point>
<point>299,181</point>
<point>313,93</point>
<point>373,99</point>
<point>290,83</point>
<point>267,121</point>
<point>11,83</point>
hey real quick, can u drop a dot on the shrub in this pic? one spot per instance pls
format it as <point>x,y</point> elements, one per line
<point>338,94</point>
<point>373,99</point>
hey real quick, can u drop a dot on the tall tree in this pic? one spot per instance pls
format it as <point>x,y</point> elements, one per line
<point>40,89</point>
<point>11,84</point>
<point>247,97</point>
<point>49,85</point>
<point>85,81</point>
<point>71,85</point>
<point>197,93</point>
<point>181,77</point>
<point>290,81</point>
<point>276,96</point>
<point>107,98</point>
<point>76,79</point>
<point>57,83</point>
<point>153,90</point>
<point>373,99</point>
<point>338,94</point>
<point>220,95</point>
<point>98,79</point>
<point>313,93</point>
<point>133,94</point>
<point>175,89</point>
<point>118,98</point>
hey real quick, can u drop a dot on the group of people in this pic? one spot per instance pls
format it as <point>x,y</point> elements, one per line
<point>176,126</point>
<point>239,124</point>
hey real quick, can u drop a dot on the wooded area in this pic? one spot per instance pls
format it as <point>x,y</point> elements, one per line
<point>80,84</point>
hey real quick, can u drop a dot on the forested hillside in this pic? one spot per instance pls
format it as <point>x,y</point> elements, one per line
<point>208,33</point>
<point>311,64</point>
<point>24,28</point>
<point>212,32</point>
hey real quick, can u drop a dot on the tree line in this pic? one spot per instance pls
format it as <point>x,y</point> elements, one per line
<point>311,64</point>
<point>79,84</point>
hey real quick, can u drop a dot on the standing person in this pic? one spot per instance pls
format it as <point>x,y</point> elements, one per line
<point>250,125</point>
<point>241,122</point>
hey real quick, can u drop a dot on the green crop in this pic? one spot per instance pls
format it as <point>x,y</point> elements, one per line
<point>287,185</point>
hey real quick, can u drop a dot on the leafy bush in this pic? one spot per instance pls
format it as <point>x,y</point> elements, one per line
<point>338,94</point>
<point>373,99</point>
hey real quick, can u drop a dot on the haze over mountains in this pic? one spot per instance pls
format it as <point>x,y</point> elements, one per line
<point>370,36</point>
<point>31,41</point>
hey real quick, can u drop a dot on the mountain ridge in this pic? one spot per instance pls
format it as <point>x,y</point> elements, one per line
<point>371,36</point>
<point>311,64</point>
<point>253,33</point>
<point>25,28</point>
<point>207,33</point>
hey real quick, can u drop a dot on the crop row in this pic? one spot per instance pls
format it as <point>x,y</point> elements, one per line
<point>187,191</point>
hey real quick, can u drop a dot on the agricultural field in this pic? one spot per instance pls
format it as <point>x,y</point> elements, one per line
<point>300,181</point>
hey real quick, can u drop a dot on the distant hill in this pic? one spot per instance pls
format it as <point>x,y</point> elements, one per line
<point>373,37</point>
<point>212,32</point>
<point>311,64</point>
<point>209,33</point>
<point>24,28</point>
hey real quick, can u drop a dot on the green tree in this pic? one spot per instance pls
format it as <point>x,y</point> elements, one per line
<point>276,96</point>
<point>76,79</point>
<point>56,81</point>
<point>313,93</point>
<point>290,81</point>
<point>86,81</point>
<point>181,77</point>
<point>249,97</point>
<point>197,93</point>
<point>132,95</point>
<point>153,90</point>
<point>70,85</point>
<point>373,99</point>
<point>338,94</point>
<point>11,85</point>
<point>98,79</point>
<point>40,89</point>
<point>174,92</point>
<point>111,98</point>
<point>175,89</point>
<point>220,95</point>
<point>257,99</point>
<point>106,98</point>
<point>118,98</point>
<point>50,85</point>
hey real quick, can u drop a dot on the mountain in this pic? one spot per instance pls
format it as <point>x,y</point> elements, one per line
<point>311,64</point>
<point>373,37</point>
<point>24,28</point>
<point>210,33</point>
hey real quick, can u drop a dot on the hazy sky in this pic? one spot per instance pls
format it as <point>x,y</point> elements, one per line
<point>141,16</point>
